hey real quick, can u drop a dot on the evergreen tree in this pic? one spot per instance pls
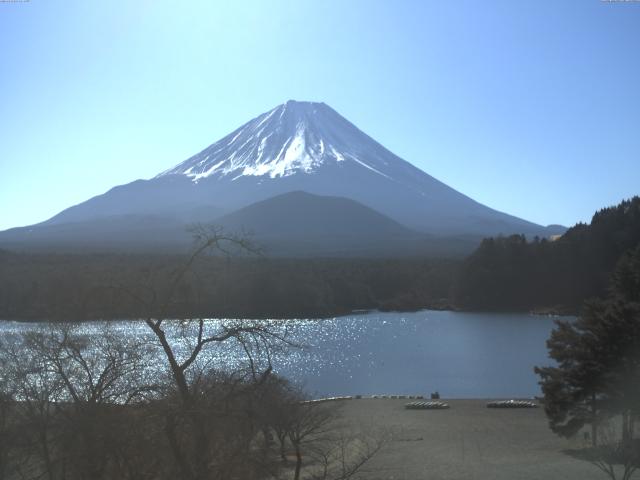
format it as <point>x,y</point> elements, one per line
<point>598,360</point>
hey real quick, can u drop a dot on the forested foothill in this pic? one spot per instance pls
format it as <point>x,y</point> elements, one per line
<point>504,274</point>
<point>81,287</point>
<point>511,273</point>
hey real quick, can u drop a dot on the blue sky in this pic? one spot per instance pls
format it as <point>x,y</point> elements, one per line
<point>530,107</point>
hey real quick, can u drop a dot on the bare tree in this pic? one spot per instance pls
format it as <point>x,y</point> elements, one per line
<point>332,449</point>
<point>347,454</point>
<point>190,427</point>
<point>69,393</point>
<point>35,393</point>
<point>323,445</point>
<point>8,430</point>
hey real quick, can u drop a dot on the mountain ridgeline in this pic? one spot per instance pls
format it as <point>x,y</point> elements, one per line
<point>366,200</point>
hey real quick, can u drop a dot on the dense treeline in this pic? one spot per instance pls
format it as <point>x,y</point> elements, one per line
<point>512,273</point>
<point>504,273</point>
<point>108,286</point>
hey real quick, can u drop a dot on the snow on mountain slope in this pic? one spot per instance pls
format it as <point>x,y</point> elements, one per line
<point>295,137</point>
<point>309,146</point>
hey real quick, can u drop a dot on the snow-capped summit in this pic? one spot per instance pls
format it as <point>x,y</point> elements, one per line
<point>308,146</point>
<point>295,147</point>
<point>295,137</point>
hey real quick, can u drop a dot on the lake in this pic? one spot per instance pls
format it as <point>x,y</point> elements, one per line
<point>461,355</point>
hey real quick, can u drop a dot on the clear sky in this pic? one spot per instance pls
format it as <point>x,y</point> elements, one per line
<point>530,107</point>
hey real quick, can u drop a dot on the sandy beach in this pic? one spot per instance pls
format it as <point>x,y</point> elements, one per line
<point>466,442</point>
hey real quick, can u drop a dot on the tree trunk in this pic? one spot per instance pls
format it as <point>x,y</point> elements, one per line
<point>46,454</point>
<point>594,422</point>
<point>200,450</point>
<point>298,463</point>
<point>282,453</point>
<point>174,443</point>
<point>625,427</point>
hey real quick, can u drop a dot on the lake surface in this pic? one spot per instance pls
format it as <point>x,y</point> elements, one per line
<point>461,355</point>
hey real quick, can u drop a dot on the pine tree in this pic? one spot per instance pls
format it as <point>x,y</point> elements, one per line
<point>597,374</point>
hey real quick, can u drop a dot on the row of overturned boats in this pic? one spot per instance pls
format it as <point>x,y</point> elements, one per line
<point>429,405</point>
<point>437,405</point>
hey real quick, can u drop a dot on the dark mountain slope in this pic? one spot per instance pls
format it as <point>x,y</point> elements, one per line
<point>131,233</point>
<point>302,224</point>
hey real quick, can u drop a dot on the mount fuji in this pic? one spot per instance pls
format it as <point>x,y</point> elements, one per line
<point>295,147</point>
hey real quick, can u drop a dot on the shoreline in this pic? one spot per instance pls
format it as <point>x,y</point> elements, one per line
<point>338,314</point>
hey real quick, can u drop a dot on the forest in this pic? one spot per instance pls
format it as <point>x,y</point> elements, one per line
<point>93,287</point>
<point>511,273</point>
<point>504,274</point>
